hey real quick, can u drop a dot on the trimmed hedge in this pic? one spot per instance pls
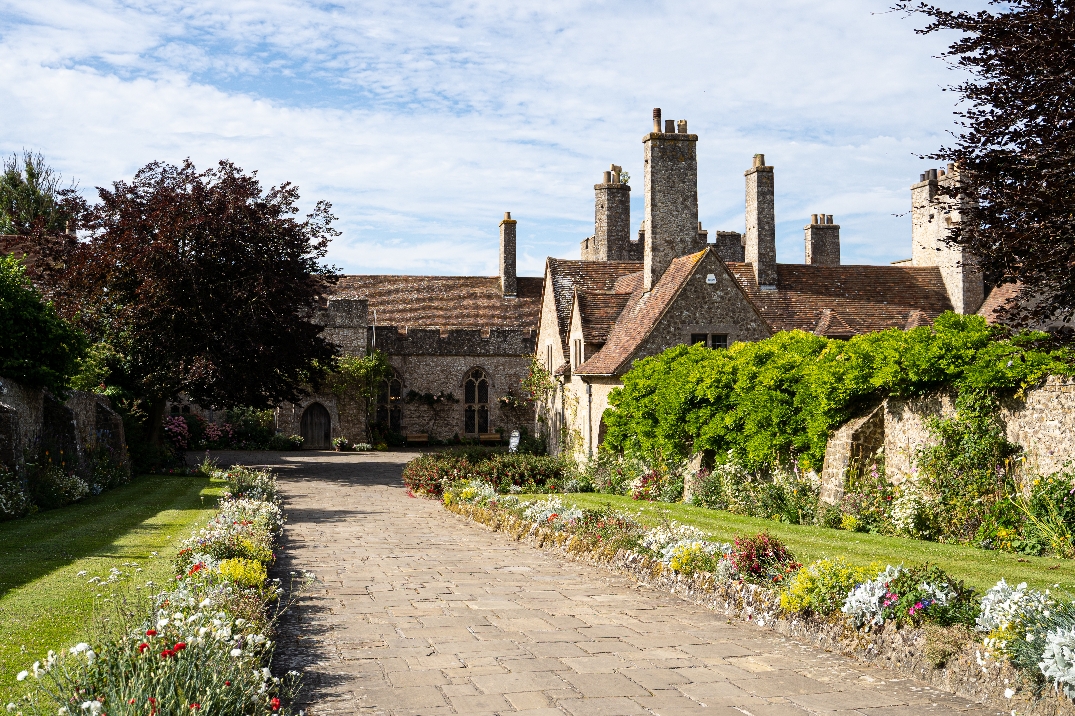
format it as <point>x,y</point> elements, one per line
<point>507,472</point>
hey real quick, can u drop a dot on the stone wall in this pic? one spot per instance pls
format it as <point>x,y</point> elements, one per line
<point>33,420</point>
<point>849,447</point>
<point>454,342</point>
<point>437,374</point>
<point>1042,422</point>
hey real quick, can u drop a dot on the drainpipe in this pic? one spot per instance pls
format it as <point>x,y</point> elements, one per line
<point>563,418</point>
<point>589,420</point>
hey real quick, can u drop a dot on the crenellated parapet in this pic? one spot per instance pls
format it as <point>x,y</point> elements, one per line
<point>453,341</point>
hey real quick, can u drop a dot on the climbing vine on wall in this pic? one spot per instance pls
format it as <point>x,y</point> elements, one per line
<point>774,402</point>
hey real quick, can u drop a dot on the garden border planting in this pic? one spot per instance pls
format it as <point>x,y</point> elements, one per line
<point>202,644</point>
<point>946,657</point>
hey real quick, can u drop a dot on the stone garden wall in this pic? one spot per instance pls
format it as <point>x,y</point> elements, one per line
<point>33,420</point>
<point>1042,421</point>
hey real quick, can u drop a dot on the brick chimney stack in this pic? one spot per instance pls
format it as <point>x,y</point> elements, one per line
<point>671,184</point>
<point>759,241</point>
<point>612,221</point>
<point>822,241</point>
<point>508,280</point>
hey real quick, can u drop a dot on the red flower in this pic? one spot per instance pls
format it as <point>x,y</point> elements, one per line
<point>142,647</point>
<point>151,632</point>
<point>166,653</point>
<point>275,703</point>
<point>227,683</point>
<point>152,700</point>
<point>195,707</point>
<point>131,701</point>
<point>180,646</point>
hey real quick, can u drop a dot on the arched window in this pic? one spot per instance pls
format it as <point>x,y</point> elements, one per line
<point>476,400</point>
<point>390,405</point>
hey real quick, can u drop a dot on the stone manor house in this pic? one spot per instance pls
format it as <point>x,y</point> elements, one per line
<point>461,345</point>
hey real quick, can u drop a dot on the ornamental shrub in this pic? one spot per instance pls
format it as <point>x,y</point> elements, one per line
<point>53,485</point>
<point>785,496</point>
<point>922,593</point>
<point>14,498</point>
<point>244,572</point>
<point>762,559</point>
<point>506,472</point>
<point>822,586</point>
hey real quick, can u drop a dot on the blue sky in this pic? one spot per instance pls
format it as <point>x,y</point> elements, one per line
<point>422,122</point>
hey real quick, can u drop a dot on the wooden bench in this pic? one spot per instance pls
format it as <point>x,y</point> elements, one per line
<point>418,439</point>
<point>489,438</point>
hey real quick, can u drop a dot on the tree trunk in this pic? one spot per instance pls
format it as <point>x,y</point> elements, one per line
<point>154,426</point>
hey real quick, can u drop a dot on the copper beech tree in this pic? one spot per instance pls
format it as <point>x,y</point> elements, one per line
<point>201,282</point>
<point>1016,150</point>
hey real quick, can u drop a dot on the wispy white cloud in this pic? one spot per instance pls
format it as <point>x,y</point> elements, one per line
<point>422,122</point>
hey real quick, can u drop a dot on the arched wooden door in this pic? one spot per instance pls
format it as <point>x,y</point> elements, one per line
<point>316,427</point>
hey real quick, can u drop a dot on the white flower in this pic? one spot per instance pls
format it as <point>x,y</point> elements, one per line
<point>205,602</point>
<point>236,652</point>
<point>22,676</point>
<point>81,574</point>
<point>94,707</point>
<point>36,668</point>
<point>1008,693</point>
<point>63,711</point>
<point>90,655</point>
<point>80,647</point>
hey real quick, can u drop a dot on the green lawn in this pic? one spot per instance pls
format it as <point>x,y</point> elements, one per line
<point>978,567</point>
<point>44,604</point>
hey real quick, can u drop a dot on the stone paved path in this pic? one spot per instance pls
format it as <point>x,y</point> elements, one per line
<point>422,612</point>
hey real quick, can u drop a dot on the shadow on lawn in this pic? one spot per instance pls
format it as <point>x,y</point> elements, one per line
<point>34,546</point>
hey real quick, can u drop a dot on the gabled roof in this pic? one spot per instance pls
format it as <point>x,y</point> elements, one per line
<point>569,276</point>
<point>639,317</point>
<point>599,312</point>
<point>864,298</point>
<point>445,301</point>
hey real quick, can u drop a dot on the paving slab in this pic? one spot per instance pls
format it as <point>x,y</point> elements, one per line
<point>419,611</point>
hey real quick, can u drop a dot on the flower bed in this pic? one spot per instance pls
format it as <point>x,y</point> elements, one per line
<point>1011,648</point>
<point>202,645</point>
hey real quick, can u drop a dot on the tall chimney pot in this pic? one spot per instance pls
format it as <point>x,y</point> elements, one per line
<point>656,119</point>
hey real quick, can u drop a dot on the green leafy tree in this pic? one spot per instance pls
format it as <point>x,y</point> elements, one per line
<point>32,200</point>
<point>362,378</point>
<point>37,347</point>
<point>204,283</point>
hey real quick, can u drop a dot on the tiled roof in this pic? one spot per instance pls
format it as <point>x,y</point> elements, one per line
<point>859,299</point>
<point>445,301</point>
<point>569,276</point>
<point>997,299</point>
<point>639,318</point>
<point>599,313</point>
